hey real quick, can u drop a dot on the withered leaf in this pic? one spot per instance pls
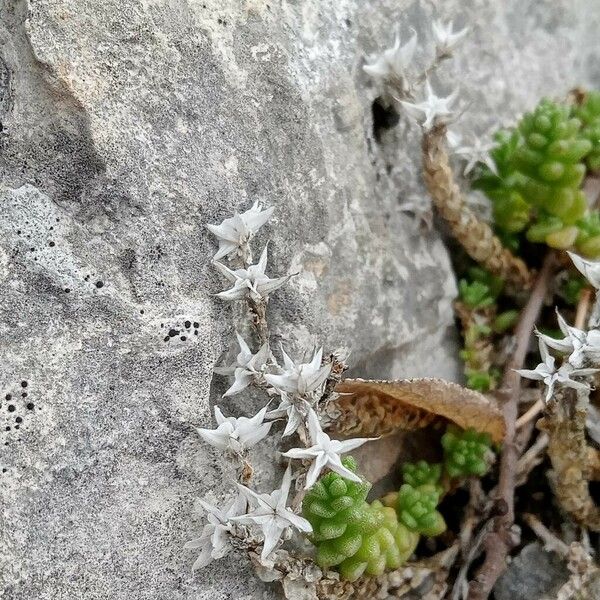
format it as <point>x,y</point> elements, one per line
<point>381,407</point>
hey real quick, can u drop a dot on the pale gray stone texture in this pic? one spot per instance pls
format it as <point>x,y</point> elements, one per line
<point>129,125</point>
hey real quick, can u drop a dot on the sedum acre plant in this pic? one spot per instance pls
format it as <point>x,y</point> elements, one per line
<point>589,115</point>
<point>352,535</point>
<point>535,187</point>
<point>466,453</point>
<point>358,538</point>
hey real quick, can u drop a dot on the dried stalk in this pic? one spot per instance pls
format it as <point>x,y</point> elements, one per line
<point>501,539</point>
<point>475,236</point>
<point>531,459</point>
<point>395,584</point>
<point>258,314</point>
<point>551,542</point>
<point>564,421</point>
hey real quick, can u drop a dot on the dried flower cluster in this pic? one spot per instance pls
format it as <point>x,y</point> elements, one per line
<point>392,68</point>
<point>300,387</point>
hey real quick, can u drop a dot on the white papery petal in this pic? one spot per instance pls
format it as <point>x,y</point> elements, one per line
<point>243,379</point>
<point>298,522</point>
<point>214,438</point>
<point>589,269</point>
<point>315,470</point>
<point>343,446</point>
<point>226,271</point>
<point>252,438</point>
<point>204,559</point>
<point>237,292</point>
<point>272,532</point>
<point>564,346</point>
<point>282,382</point>
<point>313,382</point>
<point>530,374</point>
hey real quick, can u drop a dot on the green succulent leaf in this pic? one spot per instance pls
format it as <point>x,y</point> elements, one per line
<point>421,473</point>
<point>417,509</point>
<point>352,535</point>
<point>466,452</point>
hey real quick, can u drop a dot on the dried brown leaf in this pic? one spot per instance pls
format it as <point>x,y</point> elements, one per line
<point>382,407</point>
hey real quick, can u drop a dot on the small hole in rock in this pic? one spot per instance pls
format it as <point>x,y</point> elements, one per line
<point>384,117</point>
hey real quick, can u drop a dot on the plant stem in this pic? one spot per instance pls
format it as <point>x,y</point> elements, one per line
<point>501,539</point>
<point>475,236</point>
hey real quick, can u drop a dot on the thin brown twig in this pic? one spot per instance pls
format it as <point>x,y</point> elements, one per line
<point>532,412</point>
<point>583,307</point>
<point>475,236</point>
<point>551,541</point>
<point>500,540</point>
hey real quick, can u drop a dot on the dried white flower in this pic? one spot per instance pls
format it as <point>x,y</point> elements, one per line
<point>582,345</point>
<point>294,409</point>
<point>247,367</point>
<point>236,434</point>
<point>477,152</point>
<point>214,539</point>
<point>251,281</point>
<point>432,108</point>
<point>453,139</point>
<point>325,452</point>
<point>393,62</point>
<point>588,268</point>
<point>445,39</point>
<point>235,233</point>
<point>272,515</point>
<point>302,379</point>
<point>546,371</point>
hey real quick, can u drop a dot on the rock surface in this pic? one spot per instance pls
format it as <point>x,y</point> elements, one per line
<point>126,127</point>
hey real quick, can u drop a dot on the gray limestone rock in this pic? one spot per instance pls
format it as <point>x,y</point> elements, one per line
<point>125,128</point>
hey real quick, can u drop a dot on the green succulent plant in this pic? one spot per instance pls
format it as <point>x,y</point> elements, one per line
<point>480,288</point>
<point>421,473</point>
<point>550,161</point>
<point>351,534</point>
<point>466,452</point>
<point>417,509</point>
<point>540,165</point>
<point>589,115</point>
<point>505,320</point>
<point>588,238</point>
<point>510,210</point>
<point>480,381</point>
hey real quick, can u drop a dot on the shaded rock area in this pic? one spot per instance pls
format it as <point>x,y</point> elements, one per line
<point>535,573</point>
<point>125,128</point>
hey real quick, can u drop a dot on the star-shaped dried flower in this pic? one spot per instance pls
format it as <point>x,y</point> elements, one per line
<point>393,62</point>
<point>300,379</point>
<point>247,367</point>
<point>588,268</point>
<point>294,409</point>
<point>477,152</point>
<point>433,109</point>
<point>546,371</point>
<point>214,539</point>
<point>235,233</point>
<point>582,345</point>
<point>251,281</point>
<point>272,515</point>
<point>236,434</point>
<point>325,452</point>
<point>454,139</point>
<point>445,39</point>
